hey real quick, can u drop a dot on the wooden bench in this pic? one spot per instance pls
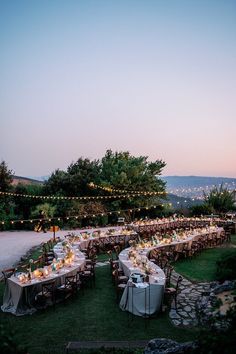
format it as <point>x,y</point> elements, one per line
<point>106,344</point>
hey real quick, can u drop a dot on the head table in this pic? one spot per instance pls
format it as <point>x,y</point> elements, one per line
<point>145,299</point>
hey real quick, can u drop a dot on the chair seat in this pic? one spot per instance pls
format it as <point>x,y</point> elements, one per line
<point>42,297</point>
<point>121,286</point>
<point>65,287</point>
<point>122,278</point>
<point>88,267</point>
<point>170,290</point>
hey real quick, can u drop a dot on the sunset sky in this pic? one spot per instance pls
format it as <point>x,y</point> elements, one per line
<point>155,77</point>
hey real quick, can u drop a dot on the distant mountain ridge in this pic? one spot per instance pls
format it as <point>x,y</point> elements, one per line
<point>194,186</point>
<point>196,181</point>
<point>24,180</point>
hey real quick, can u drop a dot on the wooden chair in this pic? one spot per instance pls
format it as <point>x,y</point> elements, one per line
<point>172,292</point>
<point>117,251</point>
<point>168,271</point>
<point>46,296</point>
<point>228,236</point>
<point>119,278</point>
<point>7,273</point>
<point>120,284</point>
<point>69,288</point>
<point>113,263</point>
<point>87,276</point>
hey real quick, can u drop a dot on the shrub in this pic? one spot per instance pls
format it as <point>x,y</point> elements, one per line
<point>226,266</point>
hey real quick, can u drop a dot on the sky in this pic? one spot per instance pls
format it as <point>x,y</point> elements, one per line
<point>153,77</point>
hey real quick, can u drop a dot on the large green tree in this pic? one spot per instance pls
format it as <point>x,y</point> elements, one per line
<point>121,170</point>
<point>80,174</point>
<point>23,207</point>
<point>219,200</point>
<point>57,184</point>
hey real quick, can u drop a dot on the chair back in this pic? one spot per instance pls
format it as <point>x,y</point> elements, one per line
<point>71,281</point>
<point>48,288</point>
<point>168,271</point>
<point>180,278</point>
<point>7,273</point>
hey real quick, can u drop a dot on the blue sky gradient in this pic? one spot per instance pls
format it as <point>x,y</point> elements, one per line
<point>156,78</point>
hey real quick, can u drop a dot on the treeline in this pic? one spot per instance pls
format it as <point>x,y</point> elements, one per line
<point>119,170</point>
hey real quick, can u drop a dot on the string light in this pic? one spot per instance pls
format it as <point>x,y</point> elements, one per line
<point>117,196</point>
<point>111,190</point>
<point>118,212</point>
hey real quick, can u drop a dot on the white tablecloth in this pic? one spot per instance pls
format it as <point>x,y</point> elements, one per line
<point>19,297</point>
<point>146,300</point>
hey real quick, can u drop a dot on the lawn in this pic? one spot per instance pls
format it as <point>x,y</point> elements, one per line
<point>203,267</point>
<point>95,315</point>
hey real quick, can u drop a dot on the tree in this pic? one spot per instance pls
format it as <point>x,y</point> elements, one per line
<point>80,174</point>
<point>6,205</point>
<point>121,170</point>
<point>201,209</point>
<point>220,200</point>
<point>124,171</point>
<point>73,182</point>
<point>46,208</point>
<point>57,184</point>
<point>24,206</point>
<point>5,177</point>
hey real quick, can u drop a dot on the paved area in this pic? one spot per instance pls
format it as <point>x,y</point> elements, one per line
<point>185,313</point>
<point>15,244</point>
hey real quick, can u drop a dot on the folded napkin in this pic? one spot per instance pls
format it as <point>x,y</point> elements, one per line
<point>141,285</point>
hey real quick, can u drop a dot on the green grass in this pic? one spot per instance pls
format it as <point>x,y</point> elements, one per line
<point>94,315</point>
<point>203,267</point>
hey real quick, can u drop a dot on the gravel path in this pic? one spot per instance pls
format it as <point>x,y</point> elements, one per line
<point>15,244</point>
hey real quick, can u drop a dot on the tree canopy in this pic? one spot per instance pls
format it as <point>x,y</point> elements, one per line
<point>118,170</point>
<point>219,200</point>
<point>5,177</point>
<point>124,171</point>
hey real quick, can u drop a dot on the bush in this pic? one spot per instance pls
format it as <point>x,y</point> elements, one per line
<point>215,341</point>
<point>226,266</point>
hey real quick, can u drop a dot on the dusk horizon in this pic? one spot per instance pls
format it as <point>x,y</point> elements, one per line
<point>155,78</point>
<point>117,176</point>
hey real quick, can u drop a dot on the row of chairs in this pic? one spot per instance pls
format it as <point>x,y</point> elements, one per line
<point>171,253</point>
<point>51,294</point>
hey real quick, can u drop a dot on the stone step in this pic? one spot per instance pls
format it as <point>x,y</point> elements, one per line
<point>72,346</point>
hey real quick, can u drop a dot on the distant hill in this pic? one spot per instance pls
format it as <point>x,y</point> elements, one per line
<point>41,178</point>
<point>182,202</point>
<point>24,180</point>
<point>196,181</point>
<point>193,186</point>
